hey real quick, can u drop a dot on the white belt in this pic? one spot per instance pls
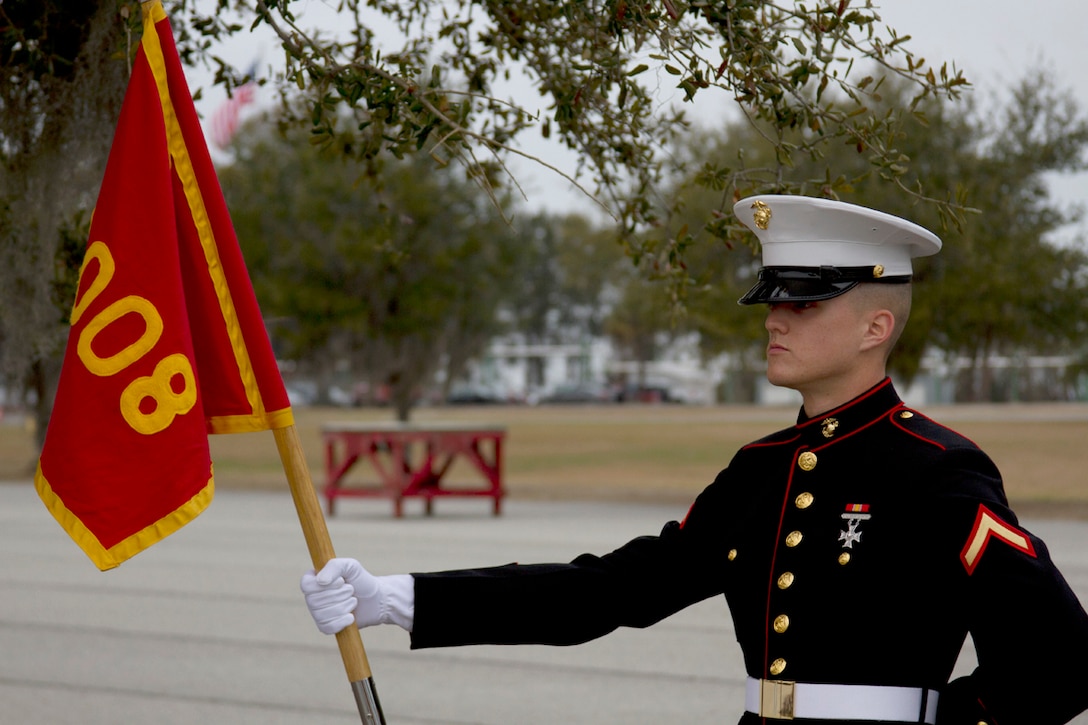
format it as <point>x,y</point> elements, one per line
<point>784,700</point>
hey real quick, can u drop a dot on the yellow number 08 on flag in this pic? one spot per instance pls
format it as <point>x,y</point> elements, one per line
<point>158,387</point>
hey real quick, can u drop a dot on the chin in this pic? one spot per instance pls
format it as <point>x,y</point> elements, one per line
<point>785,380</point>
<point>778,377</point>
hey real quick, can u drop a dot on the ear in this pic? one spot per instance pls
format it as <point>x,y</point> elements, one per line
<point>878,330</point>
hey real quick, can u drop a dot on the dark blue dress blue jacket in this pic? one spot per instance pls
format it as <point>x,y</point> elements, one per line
<point>858,547</point>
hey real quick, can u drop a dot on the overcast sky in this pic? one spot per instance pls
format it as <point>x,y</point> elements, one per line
<point>994,43</point>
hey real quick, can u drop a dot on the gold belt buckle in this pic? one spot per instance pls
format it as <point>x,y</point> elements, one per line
<point>776,699</point>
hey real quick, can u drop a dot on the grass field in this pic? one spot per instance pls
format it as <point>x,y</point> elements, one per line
<point>655,453</point>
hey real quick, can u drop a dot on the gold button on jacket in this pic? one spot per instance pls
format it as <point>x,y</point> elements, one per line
<point>807,461</point>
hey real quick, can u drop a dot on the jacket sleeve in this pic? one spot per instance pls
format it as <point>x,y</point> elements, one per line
<point>1029,630</point>
<point>636,585</point>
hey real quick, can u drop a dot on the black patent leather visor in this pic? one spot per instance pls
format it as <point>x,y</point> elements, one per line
<point>809,284</point>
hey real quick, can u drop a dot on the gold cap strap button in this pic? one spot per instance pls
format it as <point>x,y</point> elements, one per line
<point>807,461</point>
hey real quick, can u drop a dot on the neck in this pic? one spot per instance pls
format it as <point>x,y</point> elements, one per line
<point>820,400</point>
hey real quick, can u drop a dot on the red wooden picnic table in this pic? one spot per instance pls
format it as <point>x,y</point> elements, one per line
<point>413,460</point>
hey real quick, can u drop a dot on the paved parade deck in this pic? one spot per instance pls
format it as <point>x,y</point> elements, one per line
<point>208,626</point>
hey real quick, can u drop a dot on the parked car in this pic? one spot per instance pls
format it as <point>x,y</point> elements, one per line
<point>647,394</point>
<point>468,394</point>
<point>301,393</point>
<point>588,392</point>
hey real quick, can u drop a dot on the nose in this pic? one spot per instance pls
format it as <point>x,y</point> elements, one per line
<point>776,319</point>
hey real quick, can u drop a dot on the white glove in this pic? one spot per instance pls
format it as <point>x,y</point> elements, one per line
<point>343,592</point>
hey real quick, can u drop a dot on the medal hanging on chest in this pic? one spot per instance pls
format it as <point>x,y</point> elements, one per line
<point>855,514</point>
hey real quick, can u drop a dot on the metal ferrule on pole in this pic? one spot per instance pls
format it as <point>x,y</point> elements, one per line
<point>366,697</point>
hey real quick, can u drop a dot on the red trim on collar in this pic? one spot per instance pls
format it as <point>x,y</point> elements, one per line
<point>864,396</point>
<point>844,436</point>
<point>767,444</point>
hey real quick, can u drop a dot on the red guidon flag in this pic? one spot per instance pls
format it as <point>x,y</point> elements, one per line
<point>167,343</point>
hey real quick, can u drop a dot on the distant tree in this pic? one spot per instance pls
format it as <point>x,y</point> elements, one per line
<point>1006,284</point>
<point>639,324</point>
<point>719,268</point>
<point>538,291</point>
<point>403,272</point>
<point>594,270</point>
<point>294,212</point>
<point>566,272</point>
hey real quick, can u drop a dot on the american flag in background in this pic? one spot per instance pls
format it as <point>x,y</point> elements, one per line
<point>224,121</point>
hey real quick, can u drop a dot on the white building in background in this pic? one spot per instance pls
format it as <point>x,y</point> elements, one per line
<point>680,371</point>
<point>518,371</point>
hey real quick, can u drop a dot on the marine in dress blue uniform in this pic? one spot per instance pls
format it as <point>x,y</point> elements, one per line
<point>856,549</point>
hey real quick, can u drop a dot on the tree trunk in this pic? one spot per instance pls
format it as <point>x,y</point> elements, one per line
<point>404,409</point>
<point>43,378</point>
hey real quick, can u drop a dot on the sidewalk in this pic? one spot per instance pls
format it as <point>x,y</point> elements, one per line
<point>208,626</point>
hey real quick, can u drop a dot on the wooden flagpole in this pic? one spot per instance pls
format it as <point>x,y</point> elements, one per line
<point>317,537</point>
<point>320,546</point>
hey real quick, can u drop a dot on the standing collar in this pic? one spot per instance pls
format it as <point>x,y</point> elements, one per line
<point>863,410</point>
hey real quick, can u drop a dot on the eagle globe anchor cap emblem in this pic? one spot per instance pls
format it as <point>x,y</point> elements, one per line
<point>761,214</point>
